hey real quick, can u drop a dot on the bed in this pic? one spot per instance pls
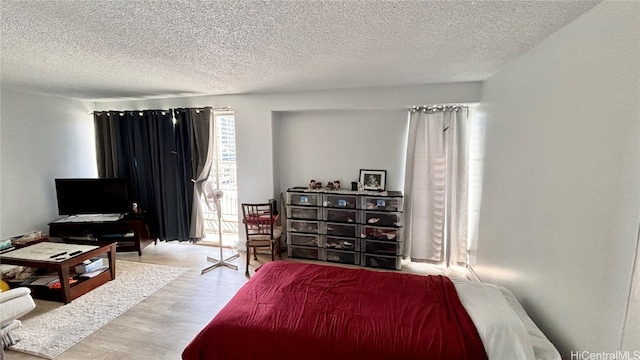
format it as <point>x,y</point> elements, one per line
<point>291,310</point>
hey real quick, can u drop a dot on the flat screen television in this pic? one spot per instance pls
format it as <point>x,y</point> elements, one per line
<point>92,196</point>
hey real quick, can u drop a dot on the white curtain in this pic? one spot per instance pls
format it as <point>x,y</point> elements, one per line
<point>436,185</point>
<point>205,140</point>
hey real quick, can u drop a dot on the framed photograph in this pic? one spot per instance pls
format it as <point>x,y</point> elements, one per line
<point>373,179</point>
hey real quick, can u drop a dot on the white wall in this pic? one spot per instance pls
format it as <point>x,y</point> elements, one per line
<point>330,145</point>
<point>42,137</point>
<point>561,193</point>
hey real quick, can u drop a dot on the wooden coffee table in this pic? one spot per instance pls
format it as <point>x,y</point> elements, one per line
<point>41,255</point>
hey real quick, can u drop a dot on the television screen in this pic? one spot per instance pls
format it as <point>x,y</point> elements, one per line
<point>92,196</point>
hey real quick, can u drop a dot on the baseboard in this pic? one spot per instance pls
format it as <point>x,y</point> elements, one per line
<point>472,275</point>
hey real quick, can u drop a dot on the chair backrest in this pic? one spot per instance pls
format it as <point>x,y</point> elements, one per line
<point>258,219</point>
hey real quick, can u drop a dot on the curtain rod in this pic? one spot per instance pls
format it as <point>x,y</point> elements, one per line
<point>428,108</point>
<point>224,108</point>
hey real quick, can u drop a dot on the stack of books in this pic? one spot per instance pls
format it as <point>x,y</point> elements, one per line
<point>50,281</point>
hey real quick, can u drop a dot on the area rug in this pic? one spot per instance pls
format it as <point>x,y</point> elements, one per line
<point>50,334</point>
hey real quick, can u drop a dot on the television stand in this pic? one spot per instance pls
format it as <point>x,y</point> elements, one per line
<point>91,218</point>
<point>129,234</point>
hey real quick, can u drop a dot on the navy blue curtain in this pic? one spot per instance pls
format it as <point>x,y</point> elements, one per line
<point>153,149</point>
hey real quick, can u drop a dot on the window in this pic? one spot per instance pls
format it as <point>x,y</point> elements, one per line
<point>224,175</point>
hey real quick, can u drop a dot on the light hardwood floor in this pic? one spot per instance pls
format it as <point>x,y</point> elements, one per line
<point>162,325</point>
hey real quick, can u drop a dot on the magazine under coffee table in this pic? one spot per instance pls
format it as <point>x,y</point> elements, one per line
<point>61,258</point>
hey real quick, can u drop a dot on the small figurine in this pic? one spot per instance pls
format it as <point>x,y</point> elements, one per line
<point>360,186</point>
<point>312,184</point>
<point>318,185</point>
<point>336,185</point>
<point>330,186</point>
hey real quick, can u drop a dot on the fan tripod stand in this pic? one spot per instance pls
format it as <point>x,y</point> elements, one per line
<point>216,195</point>
<point>222,261</point>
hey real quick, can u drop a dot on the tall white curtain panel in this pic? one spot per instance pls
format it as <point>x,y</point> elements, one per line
<point>436,185</point>
<point>205,135</point>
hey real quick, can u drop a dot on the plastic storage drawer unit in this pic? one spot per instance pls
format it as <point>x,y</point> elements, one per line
<point>343,257</point>
<point>304,226</point>
<point>341,201</point>
<point>381,261</point>
<point>345,230</point>
<point>340,215</point>
<point>304,212</point>
<point>304,199</point>
<point>378,203</point>
<point>305,252</point>
<point>381,233</point>
<point>382,247</point>
<point>304,239</point>
<point>341,243</point>
<point>378,218</point>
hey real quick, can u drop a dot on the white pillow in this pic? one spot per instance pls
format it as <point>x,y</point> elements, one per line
<point>543,349</point>
<point>503,334</point>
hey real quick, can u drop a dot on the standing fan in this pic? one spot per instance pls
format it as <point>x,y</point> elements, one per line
<point>212,197</point>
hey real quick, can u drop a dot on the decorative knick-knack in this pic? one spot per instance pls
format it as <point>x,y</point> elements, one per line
<point>312,184</point>
<point>336,185</point>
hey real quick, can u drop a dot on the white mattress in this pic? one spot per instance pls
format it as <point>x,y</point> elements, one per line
<point>506,330</point>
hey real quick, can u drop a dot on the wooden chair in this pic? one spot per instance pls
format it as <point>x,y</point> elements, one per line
<point>259,223</point>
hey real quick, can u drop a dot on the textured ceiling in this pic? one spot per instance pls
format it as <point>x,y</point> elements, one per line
<point>99,49</point>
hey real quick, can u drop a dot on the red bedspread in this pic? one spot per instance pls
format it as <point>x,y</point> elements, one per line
<point>293,310</point>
